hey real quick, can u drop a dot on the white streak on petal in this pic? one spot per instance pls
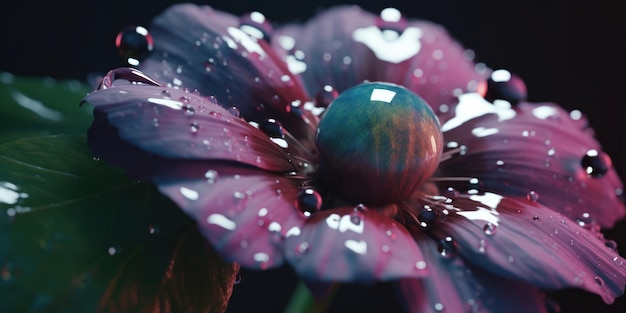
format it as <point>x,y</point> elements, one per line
<point>189,193</point>
<point>359,247</point>
<point>222,221</point>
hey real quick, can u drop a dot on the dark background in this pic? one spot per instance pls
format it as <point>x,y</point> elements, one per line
<point>569,52</point>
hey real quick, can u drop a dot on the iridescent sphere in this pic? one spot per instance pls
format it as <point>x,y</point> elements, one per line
<point>378,142</point>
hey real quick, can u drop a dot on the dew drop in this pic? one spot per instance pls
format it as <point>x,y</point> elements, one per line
<point>391,20</point>
<point>309,200</point>
<point>451,193</point>
<point>438,307</point>
<point>535,218</point>
<point>595,163</point>
<point>272,128</point>
<point>256,25</point>
<point>447,247</point>
<point>188,110</point>
<point>532,196</point>
<point>113,250</point>
<point>426,217</point>
<point>489,229</point>
<point>234,111</point>
<point>211,176</point>
<point>611,244</point>
<point>166,93</point>
<point>303,247</point>
<point>326,96</point>
<point>193,127</point>
<point>215,114</point>
<point>598,281</point>
<point>237,280</point>
<point>134,44</point>
<point>153,229</point>
<point>502,85</point>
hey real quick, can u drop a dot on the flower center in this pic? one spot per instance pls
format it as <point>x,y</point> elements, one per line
<point>378,142</point>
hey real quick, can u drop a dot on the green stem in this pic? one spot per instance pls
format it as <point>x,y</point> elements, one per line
<point>302,301</point>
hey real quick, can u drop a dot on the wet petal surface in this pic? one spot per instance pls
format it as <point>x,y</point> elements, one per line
<point>346,45</point>
<point>217,54</point>
<point>172,123</point>
<point>246,214</point>
<point>354,244</point>
<point>524,240</point>
<point>535,150</point>
<point>453,286</point>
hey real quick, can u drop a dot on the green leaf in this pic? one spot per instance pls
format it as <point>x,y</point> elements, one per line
<point>32,106</point>
<point>77,235</point>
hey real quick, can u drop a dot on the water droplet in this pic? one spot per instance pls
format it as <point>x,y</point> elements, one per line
<point>234,111</point>
<point>532,196</point>
<point>502,85</point>
<point>188,110</point>
<point>153,229</point>
<point>193,127</point>
<point>134,44</point>
<point>596,163</point>
<point>489,229</point>
<point>535,218</point>
<point>215,114</point>
<point>385,248</point>
<point>598,281</point>
<point>326,96</point>
<point>438,307</point>
<point>303,247</point>
<point>447,247</point>
<point>482,246</point>
<point>237,280</point>
<point>611,244</point>
<point>113,250</point>
<point>585,220</point>
<point>256,25</point>
<point>391,21</point>
<point>309,200</point>
<point>451,193</point>
<point>272,128</point>
<point>420,265</point>
<point>426,217</point>
<point>211,176</point>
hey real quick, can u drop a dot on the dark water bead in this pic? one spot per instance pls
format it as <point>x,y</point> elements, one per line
<point>256,25</point>
<point>309,201</point>
<point>327,95</point>
<point>502,85</point>
<point>595,163</point>
<point>272,128</point>
<point>134,44</point>
<point>391,19</point>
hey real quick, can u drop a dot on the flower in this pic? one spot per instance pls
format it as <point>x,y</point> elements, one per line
<point>359,148</point>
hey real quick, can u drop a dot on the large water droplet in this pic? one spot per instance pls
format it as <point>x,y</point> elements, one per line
<point>489,229</point>
<point>426,217</point>
<point>134,44</point>
<point>256,25</point>
<point>595,163</point>
<point>532,196</point>
<point>326,96</point>
<point>309,201</point>
<point>447,247</point>
<point>272,128</point>
<point>391,20</point>
<point>502,85</point>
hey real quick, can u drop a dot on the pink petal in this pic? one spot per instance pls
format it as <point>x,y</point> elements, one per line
<point>202,49</point>
<point>171,123</point>
<point>524,240</point>
<point>533,149</point>
<point>453,286</point>
<point>343,47</point>
<point>246,214</point>
<point>351,244</point>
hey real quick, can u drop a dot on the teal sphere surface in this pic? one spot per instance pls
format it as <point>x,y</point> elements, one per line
<point>378,142</point>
